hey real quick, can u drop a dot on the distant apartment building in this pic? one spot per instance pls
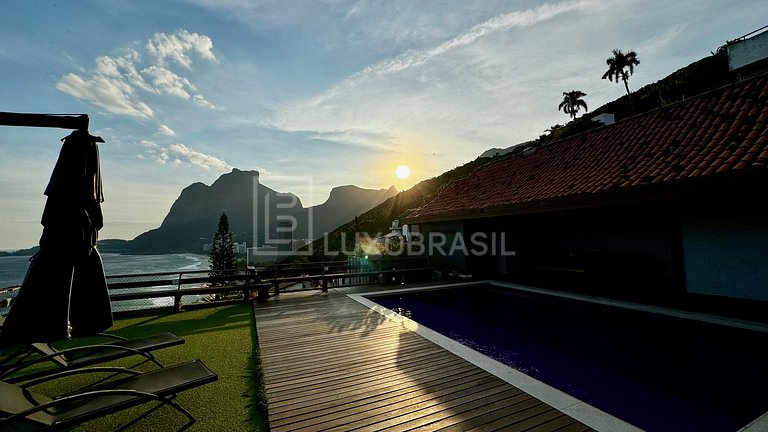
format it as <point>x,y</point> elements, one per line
<point>240,248</point>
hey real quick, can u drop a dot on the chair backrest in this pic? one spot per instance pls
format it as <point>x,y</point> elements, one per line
<point>14,400</point>
<point>45,349</point>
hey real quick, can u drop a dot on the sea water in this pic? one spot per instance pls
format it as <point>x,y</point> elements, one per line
<point>13,268</point>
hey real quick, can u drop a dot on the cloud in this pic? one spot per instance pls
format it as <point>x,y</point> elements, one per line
<point>200,100</point>
<point>175,47</point>
<point>159,155</point>
<point>460,92</point>
<point>149,144</point>
<point>179,154</point>
<point>166,131</point>
<point>113,83</point>
<point>114,95</point>
<point>525,18</point>
<point>122,68</point>
<point>167,82</point>
<point>185,154</point>
<point>376,140</point>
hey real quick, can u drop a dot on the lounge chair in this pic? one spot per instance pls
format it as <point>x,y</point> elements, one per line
<point>35,354</point>
<point>20,407</point>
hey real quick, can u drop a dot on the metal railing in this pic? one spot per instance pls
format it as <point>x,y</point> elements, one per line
<point>174,290</point>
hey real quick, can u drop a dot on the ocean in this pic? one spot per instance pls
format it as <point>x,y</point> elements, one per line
<point>13,268</point>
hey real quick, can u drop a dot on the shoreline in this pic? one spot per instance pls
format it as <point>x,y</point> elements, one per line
<point>13,268</point>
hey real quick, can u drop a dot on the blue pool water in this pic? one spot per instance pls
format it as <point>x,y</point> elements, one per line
<point>657,372</point>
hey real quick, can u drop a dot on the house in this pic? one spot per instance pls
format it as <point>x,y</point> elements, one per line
<point>396,231</point>
<point>392,242</point>
<point>666,204</point>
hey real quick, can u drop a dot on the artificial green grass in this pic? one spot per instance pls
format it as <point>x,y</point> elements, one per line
<point>224,338</point>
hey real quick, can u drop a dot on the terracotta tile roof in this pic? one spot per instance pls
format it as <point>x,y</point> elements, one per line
<point>719,133</point>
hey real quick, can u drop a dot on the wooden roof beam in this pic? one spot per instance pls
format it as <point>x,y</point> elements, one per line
<point>63,121</point>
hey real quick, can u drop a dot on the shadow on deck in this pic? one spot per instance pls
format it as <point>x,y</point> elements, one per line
<point>330,363</point>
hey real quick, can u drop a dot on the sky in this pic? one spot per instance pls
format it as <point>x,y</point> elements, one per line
<point>312,93</point>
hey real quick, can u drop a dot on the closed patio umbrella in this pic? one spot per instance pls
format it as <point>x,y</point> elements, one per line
<point>64,293</point>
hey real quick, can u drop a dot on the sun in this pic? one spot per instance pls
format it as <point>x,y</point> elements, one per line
<point>403,172</point>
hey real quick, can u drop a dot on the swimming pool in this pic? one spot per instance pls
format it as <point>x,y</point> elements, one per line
<point>654,371</point>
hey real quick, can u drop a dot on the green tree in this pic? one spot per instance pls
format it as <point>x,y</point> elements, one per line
<point>222,250</point>
<point>621,66</point>
<point>571,103</point>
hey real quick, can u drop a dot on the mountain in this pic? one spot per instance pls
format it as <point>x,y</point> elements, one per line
<point>344,203</point>
<point>193,217</point>
<point>377,220</point>
<point>501,151</point>
<point>21,252</point>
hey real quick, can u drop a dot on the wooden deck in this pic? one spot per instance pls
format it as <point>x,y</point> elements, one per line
<point>330,363</point>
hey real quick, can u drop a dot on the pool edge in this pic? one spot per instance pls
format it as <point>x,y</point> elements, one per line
<point>561,401</point>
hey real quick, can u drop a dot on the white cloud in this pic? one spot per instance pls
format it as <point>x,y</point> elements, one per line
<point>179,154</point>
<point>114,95</point>
<point>167,82</point>
<point>159,155</point>
<point>113,83</point>
<point>503,22</point>
<point>200,100</point>
<point>122,68</point>
<point>184,154</point>
<point>376,140</point>
<point>176,47</point>
<point>166,131</point>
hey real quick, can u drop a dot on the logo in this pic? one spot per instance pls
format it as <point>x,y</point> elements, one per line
<point>281,225</point>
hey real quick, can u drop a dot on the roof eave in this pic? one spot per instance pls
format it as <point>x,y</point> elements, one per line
<point>725,183</point>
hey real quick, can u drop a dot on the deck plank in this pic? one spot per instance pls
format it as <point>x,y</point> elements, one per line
<point>396,404</point>
<point>332,364</point>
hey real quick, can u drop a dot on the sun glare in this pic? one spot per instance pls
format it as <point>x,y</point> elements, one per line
<point>403,172</point>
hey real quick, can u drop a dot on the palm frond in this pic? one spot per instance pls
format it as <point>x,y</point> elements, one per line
<point>571,102</point>
<point>621,65</point>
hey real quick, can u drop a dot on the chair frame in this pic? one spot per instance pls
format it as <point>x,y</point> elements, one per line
<point>19,360</point>
<point>141,397</point>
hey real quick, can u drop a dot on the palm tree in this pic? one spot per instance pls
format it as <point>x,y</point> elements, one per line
<point>621,65</point>
<point>572,102</point>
